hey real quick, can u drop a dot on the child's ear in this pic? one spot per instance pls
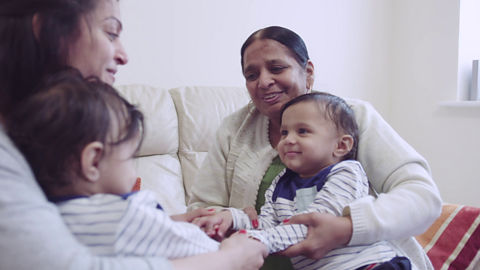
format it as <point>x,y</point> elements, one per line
<point>91,156</point>
<point>344,145</point>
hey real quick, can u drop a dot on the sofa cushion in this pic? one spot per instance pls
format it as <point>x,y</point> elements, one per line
<point>158,165</point>
<point>138,184</point>
<point>200,111</point>
<point>453,241</point>
<point>161,122</point>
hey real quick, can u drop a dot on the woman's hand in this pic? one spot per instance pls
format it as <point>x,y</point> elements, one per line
<point>252,215</point>
<point>236,253</point>
<point>190,216</point>
<point>325,232</point>
<point>247,253</point>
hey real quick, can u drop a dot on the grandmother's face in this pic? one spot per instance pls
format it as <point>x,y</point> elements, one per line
<point>273,76</point>
<point>98,50</point>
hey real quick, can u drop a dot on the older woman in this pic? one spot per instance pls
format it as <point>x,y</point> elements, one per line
<point>38,38</point>
<point>243,160</point>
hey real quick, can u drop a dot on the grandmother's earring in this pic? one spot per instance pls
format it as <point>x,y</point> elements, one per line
<point>309,90</point>
<point>248,108</point>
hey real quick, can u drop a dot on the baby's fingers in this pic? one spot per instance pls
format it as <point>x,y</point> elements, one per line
<point>200,221</point>
<point>208,224</point>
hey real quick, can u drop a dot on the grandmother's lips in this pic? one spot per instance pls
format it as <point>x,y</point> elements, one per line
<point>270,97</point>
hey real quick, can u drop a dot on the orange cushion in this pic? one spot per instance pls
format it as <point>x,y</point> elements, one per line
<point>137,185</point>
<point>453,240</point>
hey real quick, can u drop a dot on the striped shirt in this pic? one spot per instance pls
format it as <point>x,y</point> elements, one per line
<point>132,225</point>
<point>330,191</point>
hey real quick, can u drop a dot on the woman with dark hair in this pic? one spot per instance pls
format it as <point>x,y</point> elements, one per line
<point>39,38</point>
<point>243,161</point>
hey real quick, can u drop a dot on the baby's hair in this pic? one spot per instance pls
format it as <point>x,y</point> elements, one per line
<point>52,127</point>
<point>337,110</point>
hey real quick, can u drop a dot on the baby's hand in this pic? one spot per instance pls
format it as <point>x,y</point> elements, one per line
<point>190,216</point>
<point>216,225</point>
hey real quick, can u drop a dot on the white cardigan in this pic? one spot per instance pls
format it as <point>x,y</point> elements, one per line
<point>407,204</point>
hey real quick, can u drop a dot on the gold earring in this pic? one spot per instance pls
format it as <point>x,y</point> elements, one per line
<point>248,108</point>
<point>309,90</point>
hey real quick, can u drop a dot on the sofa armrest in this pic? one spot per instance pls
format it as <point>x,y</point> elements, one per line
<point>453,240</point>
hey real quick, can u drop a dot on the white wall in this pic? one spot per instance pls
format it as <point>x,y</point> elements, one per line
<point>400,55</point>
<point>425,57</point>
<point>191,42</point>
<point>469,45</point>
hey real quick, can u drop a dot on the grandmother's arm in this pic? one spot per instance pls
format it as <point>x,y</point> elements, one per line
<point>408,200</point>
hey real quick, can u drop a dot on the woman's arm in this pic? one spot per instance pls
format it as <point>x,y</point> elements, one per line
<point>190,216</point>
<point>236,253</point>
<point>408,201</point>
<point>32,233</point>
<point>325,232</point>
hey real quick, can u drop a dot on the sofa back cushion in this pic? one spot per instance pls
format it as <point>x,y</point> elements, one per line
<point>200,112</point>
<point>158,165</point>
<point>453,240</point>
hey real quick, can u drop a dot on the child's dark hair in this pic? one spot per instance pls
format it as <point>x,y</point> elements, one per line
<point>52,127</point>
<point>337,110</point>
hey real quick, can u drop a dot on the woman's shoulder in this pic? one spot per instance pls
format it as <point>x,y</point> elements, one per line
<point>12,159</point>
<point>242,119</point>
<point>359,105</point>
<point>367,117</point>
<point>364,111</point>
<point>238,116</point>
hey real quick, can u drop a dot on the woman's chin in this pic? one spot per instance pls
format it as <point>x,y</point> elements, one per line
<point>108,78</point>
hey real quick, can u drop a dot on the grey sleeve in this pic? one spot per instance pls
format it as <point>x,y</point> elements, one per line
<point>32,233</point>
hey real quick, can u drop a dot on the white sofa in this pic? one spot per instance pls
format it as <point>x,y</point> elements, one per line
<point>180,126</point>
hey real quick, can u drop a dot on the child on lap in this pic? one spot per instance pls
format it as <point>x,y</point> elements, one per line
<point>80,137</point>
<point>319,138</point>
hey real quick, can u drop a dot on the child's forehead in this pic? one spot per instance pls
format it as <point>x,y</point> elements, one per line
<point>304,112</point>
<point>308,108</point>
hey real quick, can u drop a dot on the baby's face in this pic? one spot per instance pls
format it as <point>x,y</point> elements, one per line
<point>307,140</point>
<point>117,168</point>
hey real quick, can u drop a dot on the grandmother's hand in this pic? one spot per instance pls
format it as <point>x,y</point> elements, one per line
<point>252,215</point>
<point>325,232</point>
